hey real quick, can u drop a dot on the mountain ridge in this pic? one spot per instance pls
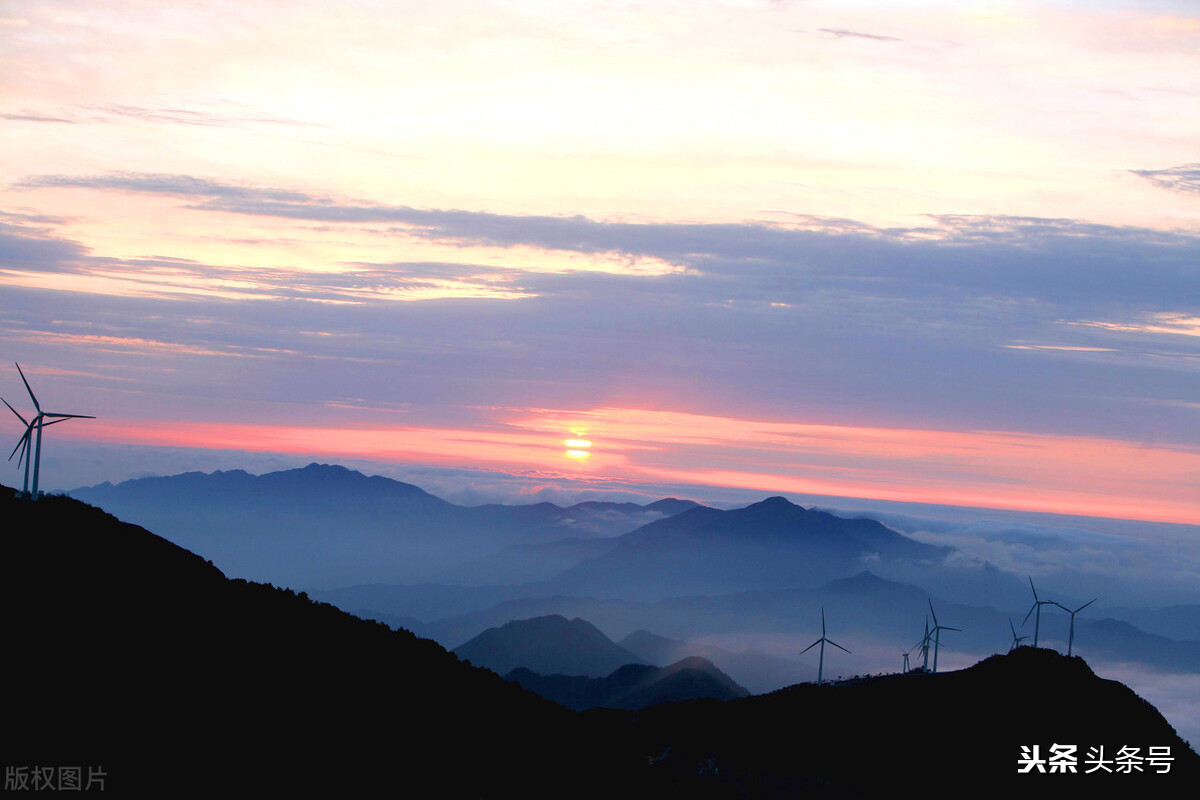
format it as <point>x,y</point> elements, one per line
<point>770,544</point>
<point>228,682</point>
<point>289,527</point>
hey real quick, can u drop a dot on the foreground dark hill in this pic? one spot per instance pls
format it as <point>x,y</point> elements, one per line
<point>326,526</point>
<point>767,545</point>
<point>958,731</point>
<point>131,653</point>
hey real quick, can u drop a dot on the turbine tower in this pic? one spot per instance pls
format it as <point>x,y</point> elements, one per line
<point>27,442</point>
<point>822,641</point>
<point>1071,639</point>
<point>1016,642</point>
<point>937,634</point>
<point>924,645</point>
<point>1037,604</point>
<point>22,444</point>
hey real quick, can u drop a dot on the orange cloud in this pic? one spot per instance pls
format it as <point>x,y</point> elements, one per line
<point>991,469</point>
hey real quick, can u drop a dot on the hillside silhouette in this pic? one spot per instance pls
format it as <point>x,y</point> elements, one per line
<point>132,653</point>
<point>960,730</point>
<point>135,654</point>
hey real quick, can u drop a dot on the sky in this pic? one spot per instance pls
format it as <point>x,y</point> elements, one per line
<point>916,252</point>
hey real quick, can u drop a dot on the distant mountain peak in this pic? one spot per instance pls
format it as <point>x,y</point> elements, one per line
<point>548,645</point>
<point>319,467</point>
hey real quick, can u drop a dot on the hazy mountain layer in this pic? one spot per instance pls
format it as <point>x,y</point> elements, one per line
<point>634,686</point>
<point>769,545</point>
<point>326,526</point>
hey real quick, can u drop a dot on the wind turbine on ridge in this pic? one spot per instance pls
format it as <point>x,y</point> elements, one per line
<point>1016,642</point>
<point>1071,638</point>
<point>1037,623</point>
<point>27,443</point>
<point>924,645</point>
<point>822,641</point>
<point>937,634</point>
<point>23,444</point>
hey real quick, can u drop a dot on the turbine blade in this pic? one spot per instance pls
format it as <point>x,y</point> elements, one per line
<point>69,416</point>
<point>20,445</point>
<point>810,647</point>
<point>32,396</point>
<point>945,628</point>
<point>1011,628</point>
<point>1035,597</point>
<point>838,646</point>
<point>1027,615</point>
<point>1085,605</point>
<point>10,408</point>
<point>931,611</point>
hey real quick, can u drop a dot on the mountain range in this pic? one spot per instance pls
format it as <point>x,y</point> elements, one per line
<point>743,587</point>
<point>324,527</point>
<point>129,652</point>
<point>327,526</point>
<point>766,545</point>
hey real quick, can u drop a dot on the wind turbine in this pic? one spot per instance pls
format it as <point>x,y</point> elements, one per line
<point>822,641</point>
<point>937,634</point>
<point>907,668</point>
<point>23,444</point>
<point>1071,639</point>
<point>1037,623</point>
<point>1016,642</point>
<point>37,423</point>
<point>924,645</point>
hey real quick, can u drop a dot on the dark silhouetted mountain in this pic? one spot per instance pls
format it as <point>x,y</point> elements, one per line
<point>955,732</point>
<point>772,544</point>
<point>549,645</point>
<point>326,526</point>
<point>634,686</point>
<point>132,653</point>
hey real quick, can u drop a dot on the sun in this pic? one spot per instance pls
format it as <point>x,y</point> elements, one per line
<point>578,448</point>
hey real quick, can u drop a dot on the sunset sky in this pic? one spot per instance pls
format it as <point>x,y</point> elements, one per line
<point>940,252</point>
